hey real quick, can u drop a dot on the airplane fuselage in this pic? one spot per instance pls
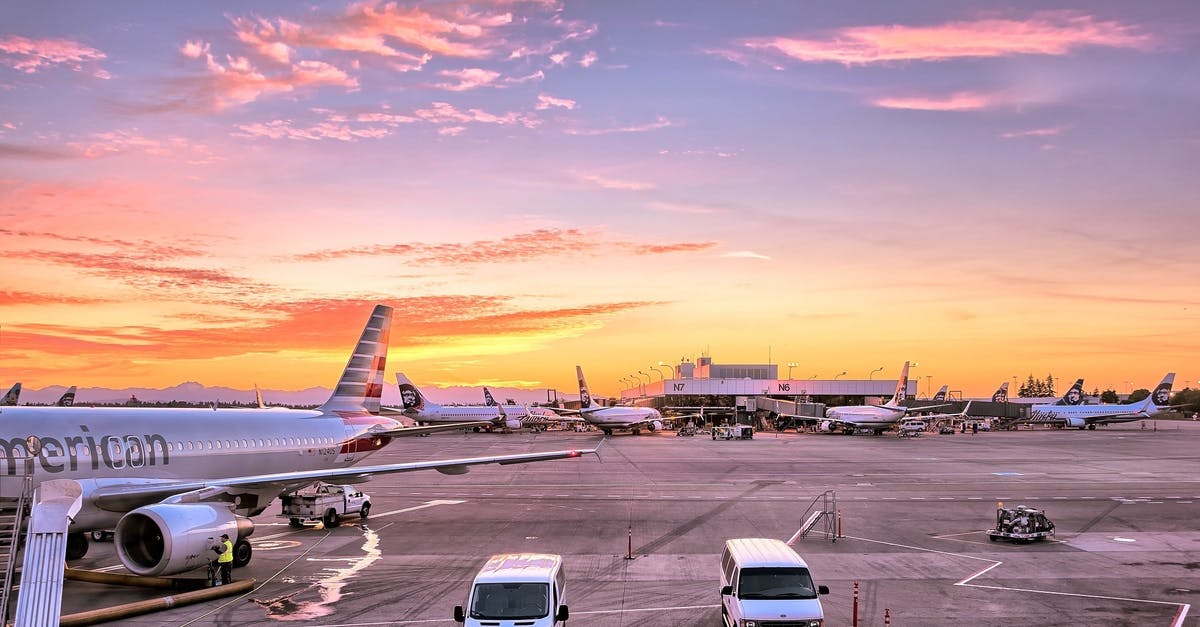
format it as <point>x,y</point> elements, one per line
<point>1076,415</point>
<point>435,414</point>
<point>620,417</point>
<point>867,416</point>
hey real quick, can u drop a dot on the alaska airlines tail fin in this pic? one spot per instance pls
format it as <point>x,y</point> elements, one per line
<point>1074,395</point>
<point>488,399</point>
<point>1161,396</point>
<point>13,395</point>
<point>410,395</point>
<point>941,394</point>
<point>901,392</point>
<point>585,399</point>
<point>361,384</point>
<point>67,399</point>
<point>1001,394</point>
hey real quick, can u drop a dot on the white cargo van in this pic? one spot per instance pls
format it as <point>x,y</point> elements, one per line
<point>764,583</point>
<point>525,589</point>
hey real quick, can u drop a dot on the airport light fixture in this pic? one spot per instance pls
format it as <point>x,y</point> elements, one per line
<point>835,377</point>
<point>661,376</point>
<point>871,375</point>
<point>928,385</point>
<point>790,365</point>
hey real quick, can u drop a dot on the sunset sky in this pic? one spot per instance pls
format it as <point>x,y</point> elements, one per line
<point>219,192</point>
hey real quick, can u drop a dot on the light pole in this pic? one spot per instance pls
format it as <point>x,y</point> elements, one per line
<point>649,379</point>
<point>835,377</point>
<point>639,382</point>
<point>871,375</point>
<point>666,365</point>
<point>928,384</point>
<point>790,365</point>
<point>661,376</point>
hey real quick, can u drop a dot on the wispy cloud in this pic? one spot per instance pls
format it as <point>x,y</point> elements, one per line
<point>239,81</point>
<point>1044,33</point>
<point>680,207</point>
<point>545,101</point>
<point>446,113</point>
<point>286,129</point>
<point>1036,132</point>
<point>961,101</point>
<point>611,183</point>
<point>746,254</point>
<point>658,123</point>
<point>34,55</point>
<point>683,247</point>
<point>467,79</point>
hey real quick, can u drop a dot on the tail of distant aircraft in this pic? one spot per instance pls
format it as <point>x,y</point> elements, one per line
<point>1074,395</point>
<point>258,397</point>
<point>361,384</point>
<point>488,399</point>
<point>1161,396</point>
<point>13,395</point>
<point>585,399</point>
<point>410,395</point>
<point>941,394</point>
<point>68,398</point>
<point>1001,394</point>
<point>901,389</point>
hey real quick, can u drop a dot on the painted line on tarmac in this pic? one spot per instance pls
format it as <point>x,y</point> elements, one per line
<point>672,608</point>
<point>1180,615</point>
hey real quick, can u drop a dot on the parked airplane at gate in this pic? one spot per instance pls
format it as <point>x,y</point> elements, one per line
<point>616,417</point>
<point>169,480</point>
<point>1089,416</point>
<point>532,418</point>
<point>415,406</point>
<point>12,396</point>
<point>875,418</point>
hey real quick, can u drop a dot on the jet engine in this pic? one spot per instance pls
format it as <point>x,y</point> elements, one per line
<point>512,423</point>
<point>1075,423</point>
<point>654,425</point>
<point>826,425</point>
<point>171,538</point>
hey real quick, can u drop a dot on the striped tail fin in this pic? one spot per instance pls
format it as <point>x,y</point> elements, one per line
<point>361,384</point>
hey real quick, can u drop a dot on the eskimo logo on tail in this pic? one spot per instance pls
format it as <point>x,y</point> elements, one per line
<point>1074,396</point>
<point>488,399</point>
<point>585,399</point>
<point>14,394</point>
<point>1162,394</point>
<point>1001,395</point>
<point>68,398</point>
<point>901,386</point>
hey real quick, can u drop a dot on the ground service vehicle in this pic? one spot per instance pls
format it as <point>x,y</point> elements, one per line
<point>733,432</point>
<point>327,503</point>
<point>526,589</point>
<point>1021,524</point>
<point>686,430</point>
<point>765,583</point>
<point>912,428</point>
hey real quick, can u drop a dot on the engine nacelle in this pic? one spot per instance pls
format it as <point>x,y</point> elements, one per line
<point>170,538</point>
<point>826,425</point>
<point>1075,423</point>
<point>512,423</point>
<point>654,425</point>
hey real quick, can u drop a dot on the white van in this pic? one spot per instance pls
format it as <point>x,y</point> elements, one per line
<point>525,589</point>
<point>765,583</point>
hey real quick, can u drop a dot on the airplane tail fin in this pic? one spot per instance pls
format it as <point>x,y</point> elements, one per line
<point>361,384</point>
<point>941,394</point>
<point>488,399</point>
<point>1074,395</point>
<point>410,395</point>
<point>67,399</point>
<point>1161,396</point>
<point>13,395</point>
<point>585,398</point>
<point>1001,394</point>
<point>901,392</point>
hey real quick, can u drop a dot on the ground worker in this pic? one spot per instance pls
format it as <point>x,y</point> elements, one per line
<point>225,559</point>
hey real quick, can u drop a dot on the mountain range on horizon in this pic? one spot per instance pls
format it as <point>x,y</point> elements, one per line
<point>193,392</point>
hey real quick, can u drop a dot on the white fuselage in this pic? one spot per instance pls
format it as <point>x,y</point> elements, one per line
<point>1076,415</point>
<point>867,416</point>
<point>117,445</point>
<point>620,417</point>
<point>435,414</point>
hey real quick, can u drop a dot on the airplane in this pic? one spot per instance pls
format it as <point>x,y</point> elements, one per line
<point>1001,393</point>
<point>67,399</point>
<point>170,479</point>
<point>416,407</point>
<point>941,394</point>
<point>875,418</point>
<point>12,396</point>
<point>1081,417</point>
<point>535,418</point>
<point>616,417</point>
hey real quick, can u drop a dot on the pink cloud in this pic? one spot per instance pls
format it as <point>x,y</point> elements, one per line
<point>470,78</point>
<point>445,113</point>
<point>33,55</point>
<point>588,59</point>
<point>286,129</point>
<point>239,81</point>
<point>609,183</point>
<point>1045,32</point>
<point>659,123</point>
<point>545,101</point>
<point>961,101</point>
<point>1037,132</point>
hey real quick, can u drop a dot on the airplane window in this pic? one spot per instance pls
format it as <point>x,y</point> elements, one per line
<point>218,444</point>
<point>245,445</point>
<point>170,446</point>
<point>227,444</point>
<point>208,444</point>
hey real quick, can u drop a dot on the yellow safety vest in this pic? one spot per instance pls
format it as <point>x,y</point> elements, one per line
<point>226,552</point>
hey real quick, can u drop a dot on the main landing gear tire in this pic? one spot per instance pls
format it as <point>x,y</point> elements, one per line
<point>607,431</point>
<point>242,552</point>
<point>331,518</point>
<point>77,545</point>
<point>636,431</point>
<point>365,511</point>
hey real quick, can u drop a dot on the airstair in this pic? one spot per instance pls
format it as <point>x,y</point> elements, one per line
<point>14,501</point>
<point>821,515</point>
<point>54,504</point>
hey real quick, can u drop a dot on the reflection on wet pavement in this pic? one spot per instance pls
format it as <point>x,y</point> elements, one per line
<point>328,583</point>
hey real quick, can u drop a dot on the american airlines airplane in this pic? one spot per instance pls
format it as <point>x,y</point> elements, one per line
<point>12,396</point>
<point>875,418</point>
<point>1078,416</point>
<point>617,417</point>
<point>169,480</point>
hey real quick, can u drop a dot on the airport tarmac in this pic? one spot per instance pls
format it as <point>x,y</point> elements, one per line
<point>1125,501</point>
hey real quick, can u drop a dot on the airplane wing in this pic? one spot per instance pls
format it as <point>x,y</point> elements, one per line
<point>126,497</point>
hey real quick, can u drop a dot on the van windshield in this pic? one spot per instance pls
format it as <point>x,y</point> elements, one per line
<point>776,583</point>
<point>510,600</point>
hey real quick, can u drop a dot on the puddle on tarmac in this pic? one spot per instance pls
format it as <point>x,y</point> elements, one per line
<point>328,584</point>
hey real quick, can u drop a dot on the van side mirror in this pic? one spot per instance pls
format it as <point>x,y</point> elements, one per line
<point>726,591</point>
<point>822,589</point>
<point>563,614</point>
<point>458,614</point>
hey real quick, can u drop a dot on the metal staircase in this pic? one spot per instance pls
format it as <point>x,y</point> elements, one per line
<point>825,517</point>
<point>54,504</point>
<point>14,504</point>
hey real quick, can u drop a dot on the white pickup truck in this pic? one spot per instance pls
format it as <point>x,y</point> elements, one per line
<point>327,503</point>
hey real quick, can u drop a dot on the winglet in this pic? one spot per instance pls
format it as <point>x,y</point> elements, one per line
<point>361,384</point>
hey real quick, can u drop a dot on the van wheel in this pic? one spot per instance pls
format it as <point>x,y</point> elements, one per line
<point>365,511</point>
<point>331,518</point>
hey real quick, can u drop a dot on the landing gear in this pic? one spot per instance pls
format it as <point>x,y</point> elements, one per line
<point>606,431</point>
<point>636,431</point>
<point>242,552</point>
<point>77,545</point>
<point>1091,427</point>
<point>100,535</point>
